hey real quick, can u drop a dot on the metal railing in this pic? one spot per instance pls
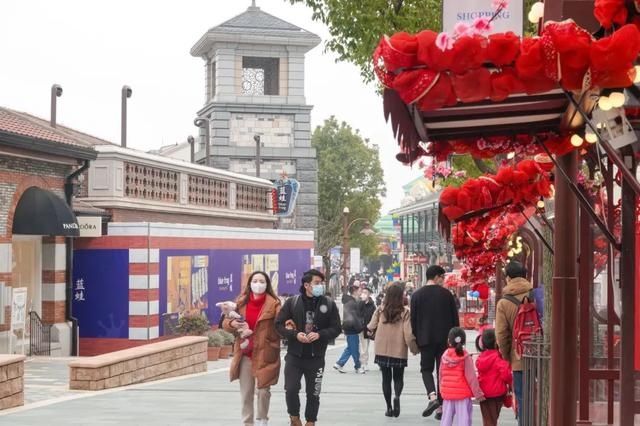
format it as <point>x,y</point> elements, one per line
<point>39,336</point>
<point>536,359</point>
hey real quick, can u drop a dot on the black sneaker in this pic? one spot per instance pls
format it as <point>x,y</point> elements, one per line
<point>433,406</point>
<point>438,415</point>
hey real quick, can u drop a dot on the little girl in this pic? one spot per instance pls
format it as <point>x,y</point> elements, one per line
<point>458,381</point>
<point>494,376</point>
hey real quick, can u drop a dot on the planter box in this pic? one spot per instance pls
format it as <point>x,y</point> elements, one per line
<point>225,351</point>
<point>213,354</point>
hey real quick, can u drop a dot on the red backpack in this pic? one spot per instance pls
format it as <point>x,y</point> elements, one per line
<point>526,324</point>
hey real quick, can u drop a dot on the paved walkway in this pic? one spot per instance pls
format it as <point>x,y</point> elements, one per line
<point>209,399</point>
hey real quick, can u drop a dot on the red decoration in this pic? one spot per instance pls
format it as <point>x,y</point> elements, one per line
<point>609,12</point>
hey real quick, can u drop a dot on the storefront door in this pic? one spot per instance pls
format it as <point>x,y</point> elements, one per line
<point>27,269</point>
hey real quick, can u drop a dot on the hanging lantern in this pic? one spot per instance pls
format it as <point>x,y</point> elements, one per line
<point>614,127</point>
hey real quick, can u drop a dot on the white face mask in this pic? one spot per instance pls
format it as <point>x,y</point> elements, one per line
<point>364,297</point>
<point>258,285</point>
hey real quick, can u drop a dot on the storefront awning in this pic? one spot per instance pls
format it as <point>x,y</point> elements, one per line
<point>41,212</point>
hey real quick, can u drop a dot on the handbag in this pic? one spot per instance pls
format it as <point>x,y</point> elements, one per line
<point>507,401</point>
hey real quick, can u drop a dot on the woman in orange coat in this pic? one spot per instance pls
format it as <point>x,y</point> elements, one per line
<point>258,364</point>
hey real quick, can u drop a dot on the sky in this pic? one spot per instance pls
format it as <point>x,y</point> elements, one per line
<point>93,48</point>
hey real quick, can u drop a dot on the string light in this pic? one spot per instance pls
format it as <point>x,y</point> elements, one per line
<point>590,137</point>
<point>540,204</point>
<point>511,155</point>
<point>617,99</point>
<point>536,13</point>
<point>605,103</point>
<point>576,140</point>
<point>636,79</point>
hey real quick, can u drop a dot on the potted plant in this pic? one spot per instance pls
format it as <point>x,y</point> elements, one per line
<point>193,325</point>
<point>214,345</point>
<point>227,345</point>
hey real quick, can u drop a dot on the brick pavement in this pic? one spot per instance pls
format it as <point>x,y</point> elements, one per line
<point>209,399</point>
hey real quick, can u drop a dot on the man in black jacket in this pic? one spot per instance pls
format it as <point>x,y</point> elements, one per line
<point>367,307</point>
<point>308,321</point>
<point>433,314</point>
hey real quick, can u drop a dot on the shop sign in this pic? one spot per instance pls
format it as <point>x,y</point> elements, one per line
<point>90,226</point>
<point>285,192</point>
<point>467,11</point>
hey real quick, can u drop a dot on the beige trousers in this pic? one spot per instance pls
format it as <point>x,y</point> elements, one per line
<point>247,392</point>
<point>364,350</point>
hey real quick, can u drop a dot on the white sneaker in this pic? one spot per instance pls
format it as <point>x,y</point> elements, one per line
<point>339,368</point>
<point>260,422</point>
<point>361,370</point>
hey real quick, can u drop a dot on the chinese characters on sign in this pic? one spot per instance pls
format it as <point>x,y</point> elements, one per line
<point>79,290</point>
<point>225,283</point>
<point>285,193</point>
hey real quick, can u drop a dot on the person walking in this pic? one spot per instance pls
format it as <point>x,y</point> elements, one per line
<point>258,365</point>
<point>367,307</point>
<point>433,314</point>
<point>308,321</point>
<point>494,376</point>
<point>458,381</point>
<point>352,326</point>
<point>391,323</point>
<point>518,287</point>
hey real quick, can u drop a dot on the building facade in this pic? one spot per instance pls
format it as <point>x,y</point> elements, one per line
<point>255,105</point>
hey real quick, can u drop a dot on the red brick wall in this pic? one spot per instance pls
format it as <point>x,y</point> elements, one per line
<point>124,215</point>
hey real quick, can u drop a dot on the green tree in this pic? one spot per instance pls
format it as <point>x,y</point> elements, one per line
<point>356,26</point>
<point>349,175</point>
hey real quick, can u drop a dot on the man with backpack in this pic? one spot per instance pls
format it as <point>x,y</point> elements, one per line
<point>516,322</point>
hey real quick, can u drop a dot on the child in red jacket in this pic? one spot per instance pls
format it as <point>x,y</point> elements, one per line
<point>494,375</point>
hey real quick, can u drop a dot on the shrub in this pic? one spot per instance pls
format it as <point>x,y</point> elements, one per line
<point>215,340</point>
<point>193,325</point>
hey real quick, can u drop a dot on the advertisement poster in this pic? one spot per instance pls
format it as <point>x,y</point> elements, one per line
<point>193,281</point>
<point>101,292</point>
<point>510,18</point>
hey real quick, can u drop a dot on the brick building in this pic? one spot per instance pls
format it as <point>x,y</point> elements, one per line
<point>36,162</point>
<point>254,86</point>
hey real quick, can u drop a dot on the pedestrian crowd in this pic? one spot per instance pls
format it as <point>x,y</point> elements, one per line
<point>403,319</point>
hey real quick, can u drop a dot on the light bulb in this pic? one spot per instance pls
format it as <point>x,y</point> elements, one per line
<point>533,18</point>
<point>617,99</point>
<point>591,137</point>
<point>576,140</point>
<point>511,155</point>
<point>540,204</point>
<point>538,9</point>
<point>636,79</point>
<point>599,126</point>
<point>605,103</point>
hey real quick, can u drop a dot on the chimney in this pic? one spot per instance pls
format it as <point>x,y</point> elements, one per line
<point>126,93</point>
<point>56,92</point>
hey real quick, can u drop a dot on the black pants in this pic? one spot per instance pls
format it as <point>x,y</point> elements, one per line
<point>430,357</point>
<point>397,375</point>
<point>312,369</point>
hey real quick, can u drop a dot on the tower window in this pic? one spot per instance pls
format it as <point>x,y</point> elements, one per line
<point>212,80</point>
<point>260,76</point>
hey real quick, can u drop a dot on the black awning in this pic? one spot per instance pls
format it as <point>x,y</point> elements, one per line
<point>41,212</point>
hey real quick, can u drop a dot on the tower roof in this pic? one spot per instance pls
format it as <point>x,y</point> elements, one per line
<point>256,26</point>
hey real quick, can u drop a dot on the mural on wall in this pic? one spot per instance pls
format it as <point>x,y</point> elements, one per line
<point>101,292</point>
<point>193,281</point>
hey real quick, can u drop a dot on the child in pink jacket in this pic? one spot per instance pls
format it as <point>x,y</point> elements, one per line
<point>458,381</point>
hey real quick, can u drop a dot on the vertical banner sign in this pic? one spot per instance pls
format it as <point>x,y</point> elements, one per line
<point>285,192</point>
<point>467,11</point>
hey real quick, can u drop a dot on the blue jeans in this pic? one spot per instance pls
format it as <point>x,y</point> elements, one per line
<point>352,350</point>
<point>517,390</point>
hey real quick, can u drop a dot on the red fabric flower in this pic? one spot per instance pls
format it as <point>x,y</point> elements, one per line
<point>566,43</point>
<point>503,48</point>
<point>612,58</point>
<point>530,67</point>
<point>399,51</point>
<point>469,53</point>
<point>473,86</point>
<point>440,95</point>
<point>429,54</point>
<point>609,12</point>
<point>412,85</point>
<point>505,83</point>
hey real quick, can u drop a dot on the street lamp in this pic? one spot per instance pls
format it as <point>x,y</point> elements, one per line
<point>346,225</point>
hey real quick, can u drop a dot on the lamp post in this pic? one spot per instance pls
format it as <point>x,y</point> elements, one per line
<point>346,253</point>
